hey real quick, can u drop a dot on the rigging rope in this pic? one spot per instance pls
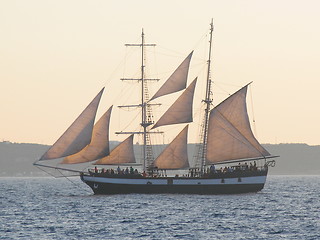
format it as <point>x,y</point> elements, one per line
<point>253,118</point>
<point>62,175</point>
<point>75,184</point>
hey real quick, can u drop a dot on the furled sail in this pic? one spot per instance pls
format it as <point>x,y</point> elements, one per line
<point>121,154</point>
<point>177,81</point>
<point>229,133</point>
<point>78,135</point>
<point>175,155</point>
<point>99,145</point>
<point>181,110</point>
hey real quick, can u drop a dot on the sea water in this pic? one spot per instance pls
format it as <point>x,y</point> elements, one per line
<point>48,208</point>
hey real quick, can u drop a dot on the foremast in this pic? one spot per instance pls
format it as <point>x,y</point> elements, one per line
<point>146,116</point>
<point>208,102</point>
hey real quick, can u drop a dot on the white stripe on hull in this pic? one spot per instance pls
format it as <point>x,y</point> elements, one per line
<point>177,181</point>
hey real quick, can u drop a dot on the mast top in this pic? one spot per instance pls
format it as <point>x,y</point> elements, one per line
<point>211,24</point>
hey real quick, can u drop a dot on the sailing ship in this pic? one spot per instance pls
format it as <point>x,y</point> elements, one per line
<point>226,140</point>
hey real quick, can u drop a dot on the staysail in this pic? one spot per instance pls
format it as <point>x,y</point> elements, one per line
<point>121,154</point>
<point>78,135</point>
<point>229,133</point>
<point>99,145</point>
<point>177,81</point>
<point>175,155</point>
<point>181,110</point>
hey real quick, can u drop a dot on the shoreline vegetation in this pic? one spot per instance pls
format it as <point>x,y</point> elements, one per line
<point>16,159</point>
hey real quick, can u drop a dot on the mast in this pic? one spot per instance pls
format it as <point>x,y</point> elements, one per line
<point>207,101</point>
<point>146,120</point>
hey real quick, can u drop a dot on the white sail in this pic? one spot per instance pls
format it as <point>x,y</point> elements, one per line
<point>121,154</point>
<point>78,135</point>
<point>177,81</point>
<point>229,132</point>
<point>99,145</point>
<point>181,110</point>
<point>175,155</point>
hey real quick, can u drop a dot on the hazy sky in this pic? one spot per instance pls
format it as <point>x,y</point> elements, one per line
<point>56,55</point>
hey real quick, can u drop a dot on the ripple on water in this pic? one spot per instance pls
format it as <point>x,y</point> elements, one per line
<point>45,208</point>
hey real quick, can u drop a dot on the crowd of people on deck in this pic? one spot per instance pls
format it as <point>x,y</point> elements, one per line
<point>251,167</point>
<point>111,171</point>
<point>239,167</point>
<point>193,172</point>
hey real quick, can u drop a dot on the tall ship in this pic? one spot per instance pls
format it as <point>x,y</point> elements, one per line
<point>228,159</point>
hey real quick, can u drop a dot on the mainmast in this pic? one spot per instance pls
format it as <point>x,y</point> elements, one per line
<point>207,101</point>
<point>146,119</point>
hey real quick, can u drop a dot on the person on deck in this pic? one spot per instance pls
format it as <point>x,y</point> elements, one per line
<point>212,169</point>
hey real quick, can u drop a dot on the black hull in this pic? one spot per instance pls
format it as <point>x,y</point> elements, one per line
<point>220,185</point>
<point>210,190</point>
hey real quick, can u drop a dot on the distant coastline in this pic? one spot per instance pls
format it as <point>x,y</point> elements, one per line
<point>16,159</point>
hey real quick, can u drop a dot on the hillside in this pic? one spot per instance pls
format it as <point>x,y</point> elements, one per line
<point>16,159</point>
<point>295,159</point>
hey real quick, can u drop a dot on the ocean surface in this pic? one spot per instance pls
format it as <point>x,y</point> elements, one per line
<point>49,208</point>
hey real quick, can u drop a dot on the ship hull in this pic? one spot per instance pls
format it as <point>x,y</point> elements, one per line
<point>220,185</point>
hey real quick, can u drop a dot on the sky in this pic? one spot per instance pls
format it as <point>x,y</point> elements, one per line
<point>55,56</point>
